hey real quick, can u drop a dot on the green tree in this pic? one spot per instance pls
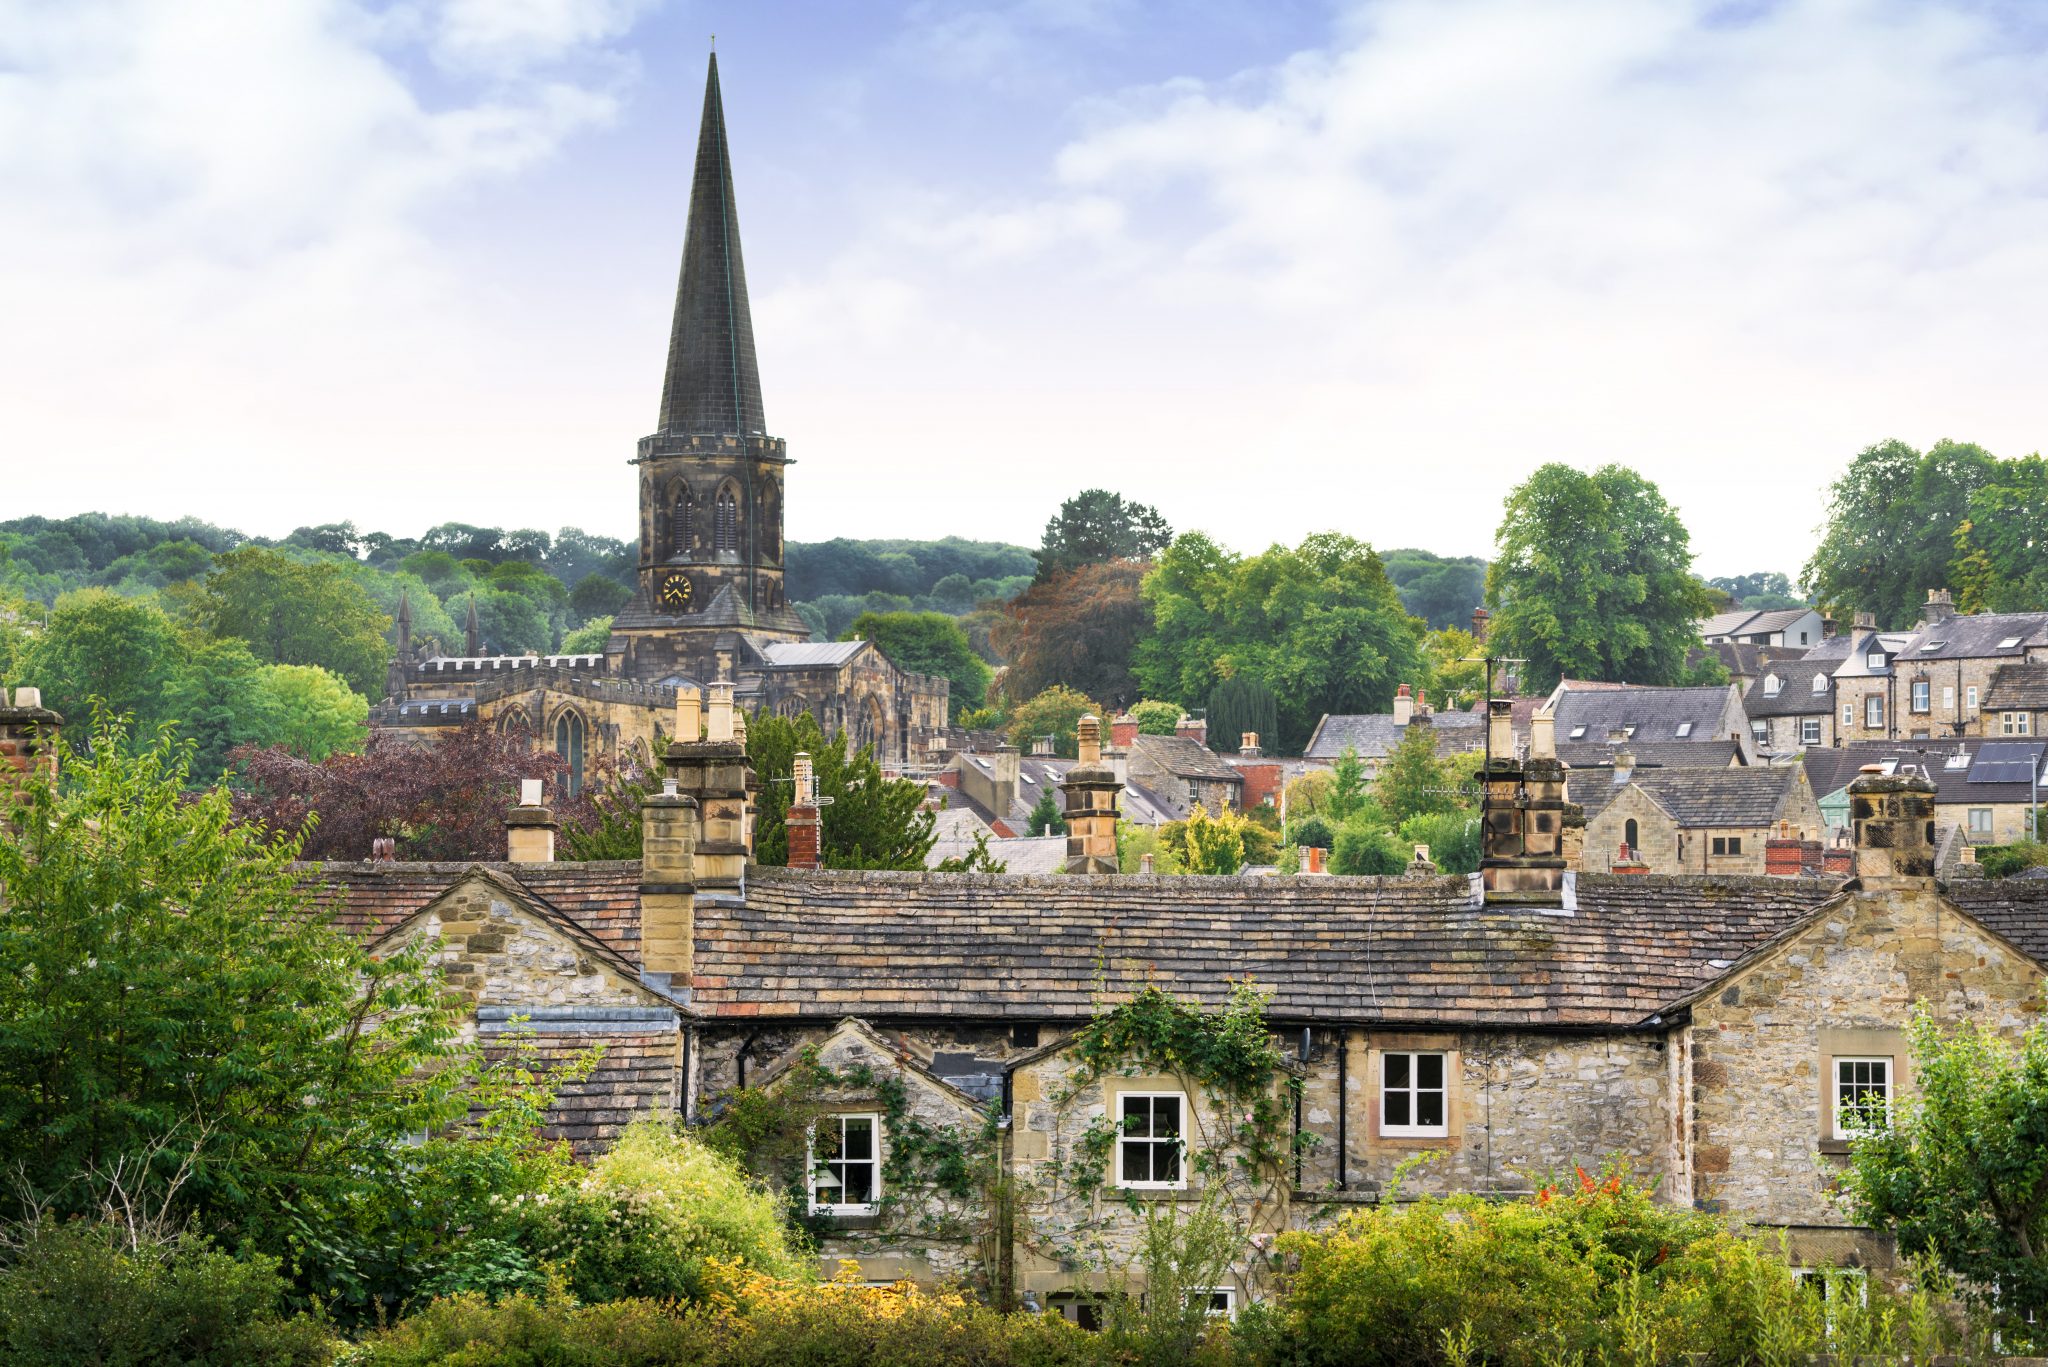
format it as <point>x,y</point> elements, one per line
<point>1045,817</point>
<point>1348,785</point>
<point>1096,525</point>
<point>294,613</point>
<point>1156,718</point>
<point>1365,846</point>
<point>98,644</point>
<point>1440,590</point>
<point>511,623</point>
<point>171,996</point>
<point>2001,561</point>
<point>928,643</point>
<point>1213,845</point>
<point>1457,668</point>
<point>1412,782</point>
<point>1056,712</point>
<point>588,639</point>
<point>219,700</point>
<point>871,822</point>
<point>1891,527</point>
<point>1080,628</point>
<point>311,712</point>
<point>1320,624</point>
<point>1593,579</point>
<point>1961,1171</point>
<point>596,596</point>
<point>1239,706</point>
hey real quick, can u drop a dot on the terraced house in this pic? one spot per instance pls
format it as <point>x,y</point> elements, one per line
<point>964,1090</point>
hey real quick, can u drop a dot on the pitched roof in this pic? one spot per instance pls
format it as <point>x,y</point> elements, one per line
<point>810,654</point>
<point>2018,688</point>
<point>600,898</point>
<point>2015,908</point>
<point>1986,770</point>
<point>1366,949</point>
<point>1981,636</point>
<point>1698,798</point>
<point>1183,757</point>
<point>713,382</point>
<point>1726,623</point>
<point>1657,714</point>
<point>1795,696</point>
<point>637,1074</point>
<point>1669,754</point>
<point>1374,735</point>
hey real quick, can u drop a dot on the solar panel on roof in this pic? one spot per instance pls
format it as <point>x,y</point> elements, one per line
<point>2006,762</point>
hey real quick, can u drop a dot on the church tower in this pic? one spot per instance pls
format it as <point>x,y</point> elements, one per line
<point>711,478</point>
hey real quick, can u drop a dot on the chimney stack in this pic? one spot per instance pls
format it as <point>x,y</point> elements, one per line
<point>1404,706</point>
<point>1500,729</point>
<point>1892,817</point>
<point>805,830</point>
<point>707,760</point>
<point>1123,731</point>
<point>1248,746</point>
<point>1481,619</point>
<point>1624,766</point>
<point>530,827</point>
<point>1543,735</point>
<point>1864,621</point>
<point>28,741</point>
<point>1195,729</point>
<point>1090,789</point>
<point>1528,829</point>
<point>1004,770</point>
<point>1043,747</point>
<point>1311,857</point>
<point>1940,606</point>
<point>1421,867</point>
<point>668,890</point>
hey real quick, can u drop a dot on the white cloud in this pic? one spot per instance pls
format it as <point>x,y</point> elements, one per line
<point>1729,249</point>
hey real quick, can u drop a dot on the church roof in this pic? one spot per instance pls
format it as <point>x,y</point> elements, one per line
<point>713,384</point>
<point>808,654</point>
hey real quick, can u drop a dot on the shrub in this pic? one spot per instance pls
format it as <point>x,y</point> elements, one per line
<point>1311,830</point>
<point>1365,846</point>
<point>2003,861</point>
<point>77,1293</point>
<point>656,1208</point>
<point>1595,1272</point>
<point>1452,837</point>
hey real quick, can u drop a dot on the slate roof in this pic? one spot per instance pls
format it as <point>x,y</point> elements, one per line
<point>2016,908</point>
<point>1726,623</point>
<point>1358,949</point>
<point>1374,735</point>
<point>1698,798</point>
<point>2018,688</point>
<point>1978,637</point>
<point>1183,757</point>
<point>637,1073</point>
<point>1836,766</point>
<point>1670,754</point>
<point>600,898</point>
<point>1657,714</point>
<point>1795,696</point>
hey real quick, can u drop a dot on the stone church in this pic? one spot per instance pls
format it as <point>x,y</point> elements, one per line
<point>710,605</point>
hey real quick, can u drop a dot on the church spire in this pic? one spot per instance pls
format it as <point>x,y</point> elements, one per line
<point>713,385</point>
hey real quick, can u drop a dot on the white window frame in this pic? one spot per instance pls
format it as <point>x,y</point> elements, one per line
<point>1809,730</point>
<point>1226,1311</point>
<point>1820,683</point>
<point>1948,697</point>
<point>1125,1139</point>
<point>1873,711</point>
<point>1771,685</point>
<point>817,1167</point>
<point>1684,729</point>
<point>1970,697</point>
<point>1848,714</point>
<point>1923,695</point>
<point>1415,1091</point>
<point>1874,660</point>
<point>1844,1130</point>
<point>2015,723</point>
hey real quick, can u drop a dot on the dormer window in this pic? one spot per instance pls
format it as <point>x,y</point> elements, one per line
<point>1875,659</point>
<point>1820,683</point>
<point>1771,685</point>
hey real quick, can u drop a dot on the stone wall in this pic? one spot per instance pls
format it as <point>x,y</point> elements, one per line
<point>1760,1046</point>
<point>1657,835</point>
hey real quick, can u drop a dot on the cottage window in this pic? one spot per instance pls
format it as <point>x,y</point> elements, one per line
<point>2015,723</point>
<point>1631,834</point>
<point>1875,659</point>
<point>1412,1094</point>
<point>1873,710</point>
<point>1863,1092</point>
<point>1848,714</point>
<point>1727,844</point>
<point>1149,1147</point>
<point>846,1165</point>
<point>1809,731</point>
<point>1948,697</point>
<point>1980,821</point>
<point>1820,683</point>
<point>1771,685</point>
<point>1221,1301</point>
<point>1760,732</point>
<point>1922,695</point>
<point>1970,697</point>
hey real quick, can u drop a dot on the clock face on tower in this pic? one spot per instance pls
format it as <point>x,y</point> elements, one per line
<point>675,591</point>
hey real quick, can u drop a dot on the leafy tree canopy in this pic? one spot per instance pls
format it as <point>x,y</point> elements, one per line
<point>1096,525</point>
<point>1442,590</point>
<point>928,643</point>
<point>1056,712</point>
<point>872,822</point>
<point>1891,528</point>
<point>1156,718</point>
<point>1593,579</point>
<point>1046,818</point>
<point>295,613</point>
<point>1239,707</point>
<point>1319,624</point>
<point>1078,629</point>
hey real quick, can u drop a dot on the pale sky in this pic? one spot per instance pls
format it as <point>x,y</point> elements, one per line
<point>1275,266</point>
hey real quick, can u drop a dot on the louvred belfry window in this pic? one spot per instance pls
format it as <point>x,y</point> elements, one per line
<point>728,523</point>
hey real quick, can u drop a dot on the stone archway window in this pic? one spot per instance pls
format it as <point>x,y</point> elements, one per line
<point>1632,835</point>
<point>569,745</point>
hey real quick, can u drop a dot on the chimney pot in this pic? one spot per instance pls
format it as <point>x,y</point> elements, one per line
<point>1404,706</point>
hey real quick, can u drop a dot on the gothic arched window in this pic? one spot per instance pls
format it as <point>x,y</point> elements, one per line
<point>569,745</point>
<point>1632,834</point>
<point>679,524</point>
<point>727,527</point>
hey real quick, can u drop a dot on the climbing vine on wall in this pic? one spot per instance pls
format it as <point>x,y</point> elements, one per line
<point>1229,1057</point>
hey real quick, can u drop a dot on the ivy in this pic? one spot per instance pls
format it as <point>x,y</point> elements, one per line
<point>1230,1056</point>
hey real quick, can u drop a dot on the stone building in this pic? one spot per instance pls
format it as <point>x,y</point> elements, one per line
<point>710,604</point>
<point>1692,820</point>
<point>1724,1033</point>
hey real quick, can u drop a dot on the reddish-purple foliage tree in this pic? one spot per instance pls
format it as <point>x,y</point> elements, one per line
<point>444,799</point>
